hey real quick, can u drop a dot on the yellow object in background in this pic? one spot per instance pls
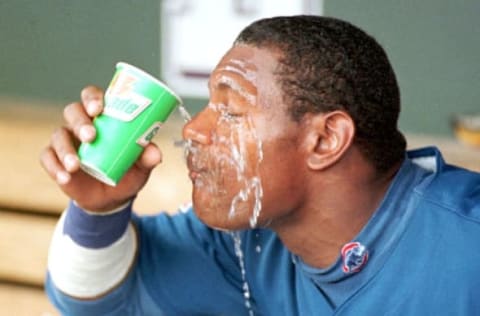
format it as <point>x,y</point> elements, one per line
<point>467,129</point>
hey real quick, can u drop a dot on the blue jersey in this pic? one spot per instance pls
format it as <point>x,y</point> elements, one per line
<point>417,255</point>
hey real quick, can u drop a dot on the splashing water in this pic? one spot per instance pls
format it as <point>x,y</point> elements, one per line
<point>235,86</point>
<point>187,143</point>
<point>252,186</point>
<point>231,151</point>
<point>184,113</point>
<point>237,242</point>
<point>233,155</point>
<point>248,73</point>
<point>237,148</point>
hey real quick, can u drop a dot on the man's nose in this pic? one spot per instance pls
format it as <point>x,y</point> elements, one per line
<point>199,128</point>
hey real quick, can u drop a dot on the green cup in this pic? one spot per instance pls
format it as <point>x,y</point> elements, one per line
<point>136,105</point>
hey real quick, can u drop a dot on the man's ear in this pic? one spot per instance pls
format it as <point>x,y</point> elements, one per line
<point>329,136</point>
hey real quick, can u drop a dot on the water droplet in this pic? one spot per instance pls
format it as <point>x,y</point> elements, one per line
<point>258,249</point>
<point>237,242</point>
<point>184,113</point>
<point>232,149</point>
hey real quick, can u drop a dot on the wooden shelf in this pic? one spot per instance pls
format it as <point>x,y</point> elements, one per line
<point>24,240</point>
<point>16,300</point>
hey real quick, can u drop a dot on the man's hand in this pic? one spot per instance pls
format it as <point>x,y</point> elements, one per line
<point>61,161</point>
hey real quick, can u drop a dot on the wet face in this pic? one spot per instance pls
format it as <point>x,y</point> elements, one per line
<point>243,154</point>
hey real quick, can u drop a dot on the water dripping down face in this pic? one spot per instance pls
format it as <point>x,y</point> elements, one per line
<point>241,148</point>
<point>244,154</point>
<point>225,156</point>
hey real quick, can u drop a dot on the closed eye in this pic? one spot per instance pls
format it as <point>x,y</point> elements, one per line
<point>231,115</point>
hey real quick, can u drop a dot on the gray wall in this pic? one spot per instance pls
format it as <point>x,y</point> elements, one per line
<point>50,49</point>
<point>434,46</point>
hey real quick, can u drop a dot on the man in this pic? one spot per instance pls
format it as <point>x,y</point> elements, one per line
<point>304,199</point>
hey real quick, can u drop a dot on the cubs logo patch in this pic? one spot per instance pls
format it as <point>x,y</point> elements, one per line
<point>354,256</point>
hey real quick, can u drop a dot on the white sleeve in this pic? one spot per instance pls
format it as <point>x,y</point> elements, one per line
<point>83,271</point>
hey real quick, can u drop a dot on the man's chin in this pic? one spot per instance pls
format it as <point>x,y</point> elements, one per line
<point>220,220</point>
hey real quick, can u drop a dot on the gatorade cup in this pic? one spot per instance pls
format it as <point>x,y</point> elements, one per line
<point>136,105</point>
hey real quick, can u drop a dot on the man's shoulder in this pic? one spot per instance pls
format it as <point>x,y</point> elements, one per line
<point>454,189</point>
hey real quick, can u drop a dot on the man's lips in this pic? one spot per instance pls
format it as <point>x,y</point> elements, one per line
<point>194,171</point>
<point>193,175</point>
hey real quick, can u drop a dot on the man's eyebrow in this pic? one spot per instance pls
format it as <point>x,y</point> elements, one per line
<point>237,89</point>
<point>222,83</point>
<point>228,81</point>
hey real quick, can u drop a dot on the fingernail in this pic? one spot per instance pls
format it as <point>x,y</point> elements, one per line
<point>87,133</point>
<point>70,161</point>
<point>63,177</point>
<point>93,107</point>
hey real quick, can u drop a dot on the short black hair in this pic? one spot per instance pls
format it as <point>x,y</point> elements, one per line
<point>328,64</point>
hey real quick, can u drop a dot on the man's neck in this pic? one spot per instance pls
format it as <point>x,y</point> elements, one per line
<point>332,217</point>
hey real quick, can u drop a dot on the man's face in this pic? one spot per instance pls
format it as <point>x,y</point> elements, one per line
<point>243,155</point>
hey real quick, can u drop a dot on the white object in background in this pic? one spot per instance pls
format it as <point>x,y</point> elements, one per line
<point>196,33</point>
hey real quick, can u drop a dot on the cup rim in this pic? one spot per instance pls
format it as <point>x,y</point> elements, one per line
<point>122,64</point>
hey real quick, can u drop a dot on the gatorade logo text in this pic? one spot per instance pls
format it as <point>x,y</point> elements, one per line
<point>121,100</point>
<point>147,137</point>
